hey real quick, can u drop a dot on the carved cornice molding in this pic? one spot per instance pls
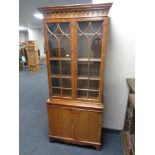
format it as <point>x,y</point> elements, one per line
<point>75,11</point>
<point>76,14</point>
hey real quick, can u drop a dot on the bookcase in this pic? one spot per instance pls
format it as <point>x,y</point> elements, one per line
<point>75,38</point>
<point>33,61</point>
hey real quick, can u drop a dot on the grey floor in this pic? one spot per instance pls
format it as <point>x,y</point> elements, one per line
<point>33,133</point>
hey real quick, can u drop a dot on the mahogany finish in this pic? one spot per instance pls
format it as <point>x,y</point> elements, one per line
<point>75,39</point>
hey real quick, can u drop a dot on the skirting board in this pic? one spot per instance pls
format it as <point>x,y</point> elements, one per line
<point>113,131</point>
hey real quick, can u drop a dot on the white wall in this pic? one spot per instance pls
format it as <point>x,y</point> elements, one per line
<point>23,36</point>
<point>37,34</point>
<point>119,63</point>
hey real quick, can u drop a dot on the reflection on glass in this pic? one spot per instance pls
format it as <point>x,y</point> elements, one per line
<point>96,44</point>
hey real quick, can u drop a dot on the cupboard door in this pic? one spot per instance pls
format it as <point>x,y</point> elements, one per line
<point>59,49</point>
<point>88,126</point>
<point>60,122</point>
<point>89,49</point>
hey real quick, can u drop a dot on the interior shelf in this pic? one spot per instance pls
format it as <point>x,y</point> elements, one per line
<point>62,88</point>
<point>86,98</point>
<point>91,59</point>
<point>87,89</point>
<point>80,59</point>
<point>61,58</point>
<point>86,77</point>
<point>63,76</point>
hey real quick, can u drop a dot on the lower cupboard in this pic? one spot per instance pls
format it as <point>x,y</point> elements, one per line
<point>75,125</point>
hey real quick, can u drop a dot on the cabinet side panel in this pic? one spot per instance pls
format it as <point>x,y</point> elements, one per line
<point>105,28</point>
<point>60,122</point>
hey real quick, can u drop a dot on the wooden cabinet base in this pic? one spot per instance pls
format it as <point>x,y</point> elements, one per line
<point>77,123</point>
<point>72,141</point>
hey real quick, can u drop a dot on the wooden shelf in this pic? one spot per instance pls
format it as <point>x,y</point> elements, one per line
<point>87,89</point>
<point>80,59</point>
<point>91,59</point>
<point>86,78</point>
<point>64,88</point>
<point>80,97</point>
<point>61,58</point>
<point>63,76</point>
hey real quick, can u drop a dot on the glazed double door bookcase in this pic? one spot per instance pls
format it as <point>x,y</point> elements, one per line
<point>75,38</point>
<point>76,58</point>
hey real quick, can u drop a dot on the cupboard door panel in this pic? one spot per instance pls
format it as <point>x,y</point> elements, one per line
<point>60,122</point>
<point>88,126</point>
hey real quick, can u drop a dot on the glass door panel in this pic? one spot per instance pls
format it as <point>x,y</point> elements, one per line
<point>83,49</point>
<point>89,44</point>
<point>82,93</point>
<point>66,92</point>
<point>82,69</point>
<point>94,84</point>
<point>55,82</point>
<point>93,94</point>
<point>53,47</point>
<point>82,84</point>
<point>56,91</point>
<point>94,69</point>
<point>55,67</point>
<point>66,68</point>
<point>66,83</point>
<point>60,57</point>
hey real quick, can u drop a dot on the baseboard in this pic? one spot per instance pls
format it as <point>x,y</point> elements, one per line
<point>113,131</point>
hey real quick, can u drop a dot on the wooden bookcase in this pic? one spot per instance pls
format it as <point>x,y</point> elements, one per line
<point>75,38</point>
<point>33,62</point>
